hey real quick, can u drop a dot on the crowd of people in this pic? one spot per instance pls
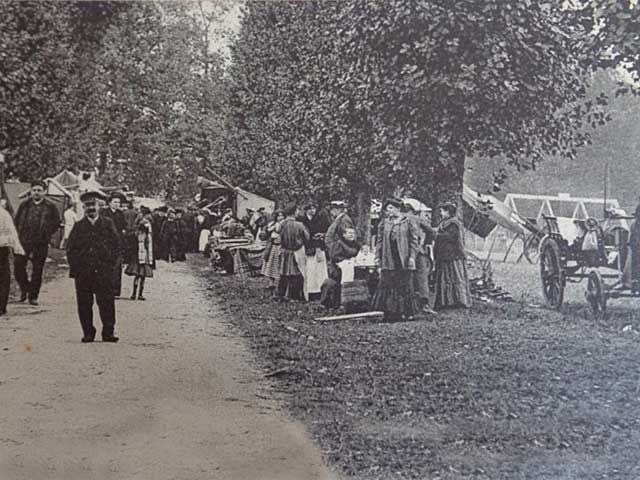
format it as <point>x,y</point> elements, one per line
<point>304,256</point>
<point>306,246</point>
<point>419,267</point>
<point>111,238</point>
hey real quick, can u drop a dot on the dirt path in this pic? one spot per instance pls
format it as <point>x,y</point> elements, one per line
<point>177,398</point>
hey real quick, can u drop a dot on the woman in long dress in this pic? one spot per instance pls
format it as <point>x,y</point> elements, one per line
<point>293,237</point>
<point>141,264</point>
<point>271,263</point>
<point>631,271</point>
<point>452,283</point>
<point>397,246</point>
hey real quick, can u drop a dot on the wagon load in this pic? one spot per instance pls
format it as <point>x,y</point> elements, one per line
<point>597,253</point>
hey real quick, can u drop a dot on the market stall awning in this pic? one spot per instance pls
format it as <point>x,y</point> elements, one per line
<point>485,212</point>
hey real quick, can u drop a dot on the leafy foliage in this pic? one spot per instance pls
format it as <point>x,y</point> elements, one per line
<point>132,88</point>
<point>407,91</point>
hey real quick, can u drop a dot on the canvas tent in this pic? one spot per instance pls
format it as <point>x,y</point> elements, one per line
<point>226,196</point>
<point>566,208</point>
<point>150,203</point>
<point>81,182</point>
<point>13,191</point>
<point>534,207</point>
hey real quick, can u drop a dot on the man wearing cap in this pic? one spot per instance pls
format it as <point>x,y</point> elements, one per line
<point>426,235</point>
<point>341,222</point>
<point>37,220</point>
<point>115,213</point>
<point>93,251</point>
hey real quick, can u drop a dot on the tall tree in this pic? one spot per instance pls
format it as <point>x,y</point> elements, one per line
<point>365,95</point>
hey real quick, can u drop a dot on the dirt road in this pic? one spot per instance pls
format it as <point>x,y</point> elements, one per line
<point>177,398</point>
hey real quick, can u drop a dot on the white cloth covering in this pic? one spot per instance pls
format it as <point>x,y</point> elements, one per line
<point>204,240</point>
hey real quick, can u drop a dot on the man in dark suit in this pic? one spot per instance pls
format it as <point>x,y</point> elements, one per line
<point>115,213</point>
<point>93,251</point>
<point>158,218</point>
<point>37,220</point>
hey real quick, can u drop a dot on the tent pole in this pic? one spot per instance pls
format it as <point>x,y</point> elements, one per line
<point>225,183</point>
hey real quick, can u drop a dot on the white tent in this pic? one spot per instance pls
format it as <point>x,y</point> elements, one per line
<point>150,203</point>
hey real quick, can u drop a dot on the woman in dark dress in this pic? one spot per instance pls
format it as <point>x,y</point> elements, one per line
<point>452,283</point>
<point>631,273</point>
<point>397,246</point>
<point>293,237</point>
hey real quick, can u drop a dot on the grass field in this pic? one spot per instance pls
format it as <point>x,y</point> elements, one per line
<point>500,391</point>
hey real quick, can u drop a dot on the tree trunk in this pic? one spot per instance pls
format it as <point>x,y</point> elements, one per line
<point>363,217</point>
<point>446,185</point>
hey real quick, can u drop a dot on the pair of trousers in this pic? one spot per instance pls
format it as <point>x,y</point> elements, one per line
<point>38,256</point>
<point>90,285</point>
<point>116,277</point>
<point>291,286</point>
<point>333,296</point>
<point>5,279</point>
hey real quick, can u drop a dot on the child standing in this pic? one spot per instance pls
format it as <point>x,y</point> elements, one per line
<point>141,264</point>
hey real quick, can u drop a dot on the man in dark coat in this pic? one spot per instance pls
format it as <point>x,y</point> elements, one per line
<point>115,213</point>
<point>37,220</point>
<point>183,234</point>
<point>93,251</point>
<point>341,223</point>
<point>158,218</point>
<point>190,225</point>
<point>171,239</point>
<point>317,222</point>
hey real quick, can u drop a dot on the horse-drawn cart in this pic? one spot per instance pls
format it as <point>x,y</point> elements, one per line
<point>597,254</point>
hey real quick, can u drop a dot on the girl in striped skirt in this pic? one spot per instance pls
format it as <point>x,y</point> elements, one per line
<point>271,263</point>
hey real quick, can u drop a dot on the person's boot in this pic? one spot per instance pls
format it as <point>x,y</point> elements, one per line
<point>135,290</point>
<point>140,297</point>
<point>23,297</point>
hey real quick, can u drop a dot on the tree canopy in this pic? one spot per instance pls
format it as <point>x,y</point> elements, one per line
<point>361,96</point>
<point>132,88</point>
<point>356,98</point>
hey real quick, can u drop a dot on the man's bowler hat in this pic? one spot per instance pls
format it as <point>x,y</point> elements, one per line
<point>91,196</point>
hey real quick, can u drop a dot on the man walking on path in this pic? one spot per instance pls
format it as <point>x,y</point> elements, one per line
<point>114,212</point>
<point>37,220</point>
<point>93,252</point>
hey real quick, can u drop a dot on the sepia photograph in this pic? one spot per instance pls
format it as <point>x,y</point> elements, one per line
<point>319,240</point>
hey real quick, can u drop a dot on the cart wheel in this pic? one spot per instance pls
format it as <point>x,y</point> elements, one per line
<point>551,273</point>
<point>596,294</point>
